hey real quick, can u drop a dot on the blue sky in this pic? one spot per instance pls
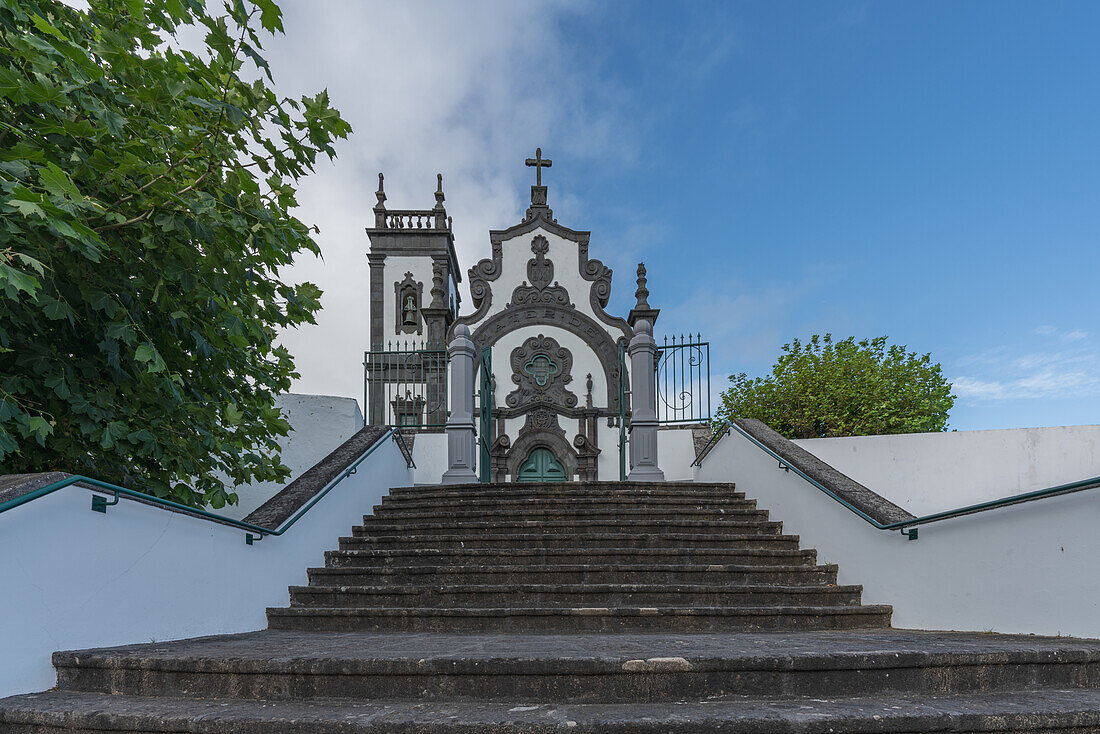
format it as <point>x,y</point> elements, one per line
<point>929,171</point>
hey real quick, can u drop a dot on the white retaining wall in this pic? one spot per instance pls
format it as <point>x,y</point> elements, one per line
<point>319,423</point>
<point>1030,568</point>
<point>929,472</point>
<point>73,578</point>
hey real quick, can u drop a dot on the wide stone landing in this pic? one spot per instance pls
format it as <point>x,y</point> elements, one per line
<point>880,680</point>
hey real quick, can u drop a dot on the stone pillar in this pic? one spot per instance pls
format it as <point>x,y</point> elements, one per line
<point>460,424</point>
<point>643,422</point>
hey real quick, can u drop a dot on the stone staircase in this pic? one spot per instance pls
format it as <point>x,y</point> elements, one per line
<point>597,607</point>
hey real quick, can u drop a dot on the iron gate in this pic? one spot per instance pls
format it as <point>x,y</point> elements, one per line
<point>683,380</point>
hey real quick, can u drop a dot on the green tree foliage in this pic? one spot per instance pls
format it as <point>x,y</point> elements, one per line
<point>846,388</point>
<point>145,193</point>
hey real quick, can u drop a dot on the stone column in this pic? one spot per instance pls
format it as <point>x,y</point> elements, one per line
<point>460,424</point>
<point>643,422</point>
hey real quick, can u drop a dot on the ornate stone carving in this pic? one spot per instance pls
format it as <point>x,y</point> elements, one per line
<point>481,275</point>
<point>594,335</point>
<point>541,370</point>
<point>438,293</point>
<point>540,272</point>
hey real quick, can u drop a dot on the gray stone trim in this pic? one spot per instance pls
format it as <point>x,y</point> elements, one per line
<point>497,236</point>
<point>413,242</point>
<point>295,495</point>
<point>13,486</point>
<point>377,300</point>
<point>504,412</point>
<point>874,505</point>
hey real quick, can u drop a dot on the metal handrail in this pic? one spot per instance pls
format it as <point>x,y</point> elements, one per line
<point>399,438</point>
<point>909,527</point>
<point>255,532</point>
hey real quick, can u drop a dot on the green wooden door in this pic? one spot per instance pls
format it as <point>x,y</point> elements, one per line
<point>541,466</point>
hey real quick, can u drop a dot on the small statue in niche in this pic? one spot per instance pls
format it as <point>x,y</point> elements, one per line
<point>408,311</point>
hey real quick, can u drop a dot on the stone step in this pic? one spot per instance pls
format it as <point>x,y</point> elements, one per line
<point>587,668</point>
<point>577,619</point>
<point>655,525</point>
<point>536,502</point>
<point>533,557</point>
<point>569,540</point>
<point>521,491</point>
<point>574,574</point>
<point>615,515</point>
<point>573,595</point>
<point>1033,712</point>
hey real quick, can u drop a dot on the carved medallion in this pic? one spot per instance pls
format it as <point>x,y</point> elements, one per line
<point>541,370</point>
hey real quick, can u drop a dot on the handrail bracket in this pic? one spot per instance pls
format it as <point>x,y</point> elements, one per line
<point>100,503</point>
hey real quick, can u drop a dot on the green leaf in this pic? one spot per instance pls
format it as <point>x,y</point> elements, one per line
<point>145,353</point>
<point>57,182</point>
<point>57,309</point>
<point>30,262</point>
<point>40,428</point>
<point>15,281</point>
<point>271,16</point>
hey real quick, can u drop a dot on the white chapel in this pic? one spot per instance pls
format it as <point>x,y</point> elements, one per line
<point>554,403</point>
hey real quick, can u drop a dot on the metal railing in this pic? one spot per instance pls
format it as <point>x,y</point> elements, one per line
<point>908,528</point>
<point>683,380</point>
<point>253,532</point>
<point>405,385</point>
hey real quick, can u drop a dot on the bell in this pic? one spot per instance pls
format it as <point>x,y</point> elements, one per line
<point>410,312</point>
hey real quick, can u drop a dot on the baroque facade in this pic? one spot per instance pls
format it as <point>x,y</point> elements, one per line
<point>559,388</point>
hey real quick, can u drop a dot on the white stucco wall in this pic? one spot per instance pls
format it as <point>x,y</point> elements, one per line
<point>319,423</point>
<point>1025,569</point>
<point>430,457</point>
<point>74,578</point>
<point>675,453</point>
<point>929,472</point>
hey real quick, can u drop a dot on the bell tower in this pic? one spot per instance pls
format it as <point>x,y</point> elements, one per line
<point>414,273</point>
<point>414,278</point>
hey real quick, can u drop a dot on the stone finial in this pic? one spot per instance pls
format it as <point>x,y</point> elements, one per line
<point>588,391</point>
<point>442,221</point>
<point>642,309</point>
<point>380,207</point>
<point>381,193</point>
<point>438,293</point>
<point>439,198</point>
<point>642,294</point>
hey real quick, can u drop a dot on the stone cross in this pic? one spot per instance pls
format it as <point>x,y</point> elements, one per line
<point>539,163</point>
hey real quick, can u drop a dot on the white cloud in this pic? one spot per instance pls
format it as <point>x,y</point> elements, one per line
<point>1048,367</point>
<point>465,89</point>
